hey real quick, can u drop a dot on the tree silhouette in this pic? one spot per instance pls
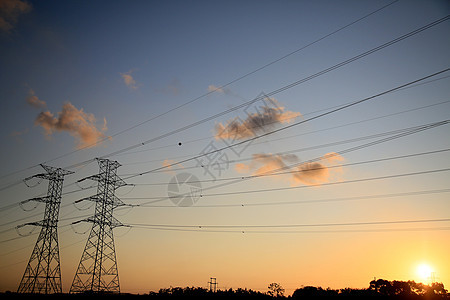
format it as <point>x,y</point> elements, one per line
<point>275,290</point>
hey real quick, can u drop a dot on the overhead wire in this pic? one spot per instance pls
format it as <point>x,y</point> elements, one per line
<point>373,50</point>
<point>345,224</point>
<point>296,231</point>
<point>215,90</point>
<point>279,138</point>
<point>289,86</point>
<point>297,171</point>
<point>359,147</point>
<point>291,125</point>
<point>243,192</point>
<point>313,201</point>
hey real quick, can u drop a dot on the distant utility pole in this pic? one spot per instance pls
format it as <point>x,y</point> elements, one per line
<point>97,270</point>
<point>43,271</point>
<point>213,284</point>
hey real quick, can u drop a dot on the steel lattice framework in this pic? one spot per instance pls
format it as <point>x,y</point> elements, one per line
<point>97,270</point>
<point>43,271</point>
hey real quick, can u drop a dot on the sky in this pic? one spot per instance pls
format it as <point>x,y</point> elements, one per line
<point>166,88</point>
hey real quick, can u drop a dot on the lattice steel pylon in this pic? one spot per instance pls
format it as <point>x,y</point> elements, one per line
<point>97,271</point>
<point>43,271</point>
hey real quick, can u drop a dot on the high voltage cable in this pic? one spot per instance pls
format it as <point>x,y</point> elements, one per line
<point>269,94</point>
<point>294,124</point>
<point>213,91</point>
<point>297,232</point>
<point>299,171</point>
<point>234,80</point>
<point>298,225</point>
<point>314,147</point>
<point>280,138</point>
<point>424,127</point>
<point>291,86</point>
<point>359,147</point>
<point>315,201</point>
<point>242,192</point>
<point>256,176</point>
<point>387,133</point>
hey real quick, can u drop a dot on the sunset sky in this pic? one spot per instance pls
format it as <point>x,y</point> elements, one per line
<point>156,85</point>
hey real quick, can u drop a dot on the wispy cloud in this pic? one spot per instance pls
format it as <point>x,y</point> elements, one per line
<point>311,173</point>
<point>168,164</point>
<point>34,101</point>
<point>10,11</point>
<point>75,121</point>
<point>213,88</point>
<point>264,119</point>
<point>129,80</point>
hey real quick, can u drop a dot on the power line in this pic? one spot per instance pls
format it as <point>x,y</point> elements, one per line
<point>270,94</point>
<point>301,232</point>
<point>350,224</point>
<point>359,147</point>
<point>157,199</point>
<point>294,124</point>
<point>281,138</point>
<point>314,201</point>
<point>402,133</point>
<point>213,91</point>
<point>297,171</point>
<point>289,86</point>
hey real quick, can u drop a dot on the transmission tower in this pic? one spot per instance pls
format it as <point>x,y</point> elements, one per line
<point>43,271</point>
<point>212,284</point>
<point>97,271</point>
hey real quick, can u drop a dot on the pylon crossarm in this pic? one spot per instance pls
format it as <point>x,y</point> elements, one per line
<point>36,199</point>
<point>94,198</point>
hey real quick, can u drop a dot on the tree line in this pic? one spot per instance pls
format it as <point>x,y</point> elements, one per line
<point>378,289</point>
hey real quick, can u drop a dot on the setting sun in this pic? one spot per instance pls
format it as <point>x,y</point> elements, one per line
<point>424,271</point>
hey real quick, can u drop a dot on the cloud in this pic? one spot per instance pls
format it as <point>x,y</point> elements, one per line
<point>266,117</point>
<point>129,80</point>
<point>75,121</point>
<point>34,101</point>
<point>10,10</point>
<point>316,173</point>
<point>168,164</point>
<point>213,88</point>
<point>310,173</point>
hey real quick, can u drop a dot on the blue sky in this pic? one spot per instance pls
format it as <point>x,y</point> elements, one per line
<point>121,63</point>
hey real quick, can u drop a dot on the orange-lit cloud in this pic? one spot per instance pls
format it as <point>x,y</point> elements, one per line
<point>34,101</point>
<point>261,121</point>
<point>311,173</point>
<point>169,164</point>
<point>79,124</point>
<point>10,11</point>
<point>213,88</point>
<point>129,80</point>
<point>316,173</point>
